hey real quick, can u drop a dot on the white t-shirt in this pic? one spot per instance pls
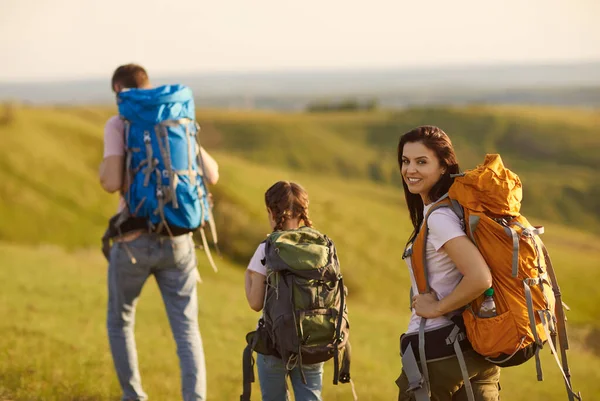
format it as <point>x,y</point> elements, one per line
<point>255,263</point>
<point>443,225</point>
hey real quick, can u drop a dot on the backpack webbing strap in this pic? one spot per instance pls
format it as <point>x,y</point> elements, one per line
<point>422,355</point>
<point>346,360</point>
<point>213,231</point>
<point>408,251</point>
<point>206,250</point>
<point>129,155</point>
<point>173,178</point>
<point>211,219</point>
<point>247,373</point>
<point>473,222</point>
<point>336,365</point>
<point>150,164</point>
<point>531,313</point>
<point>454,338</point>
<point>546,318</point>
<point>354,395</point>
<point>560,325</point>
<point>162,198</point>
<point>338,332</point>
<point>160,130</point>
<point>457,208</point>
<point>416,382</point>
<point>508,358</point>
<point>515,259</point>
<point>190,154</point>
<point>530,230</point>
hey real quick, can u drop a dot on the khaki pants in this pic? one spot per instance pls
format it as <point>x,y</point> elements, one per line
<point>446,380</point>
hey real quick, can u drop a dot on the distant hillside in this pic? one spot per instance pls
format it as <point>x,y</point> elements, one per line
<point>554,151</point>
<point>558,84</point>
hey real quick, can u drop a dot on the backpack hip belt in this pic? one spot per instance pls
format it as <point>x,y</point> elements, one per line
<point>437,346</point>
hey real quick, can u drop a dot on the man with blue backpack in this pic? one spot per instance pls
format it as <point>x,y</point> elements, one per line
<point>153,158</point>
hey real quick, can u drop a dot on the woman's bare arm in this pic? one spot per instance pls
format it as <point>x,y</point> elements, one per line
<point>476,279</point>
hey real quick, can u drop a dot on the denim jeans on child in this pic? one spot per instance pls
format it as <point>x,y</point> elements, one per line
<point>172,262</point>
<point>271,375</point>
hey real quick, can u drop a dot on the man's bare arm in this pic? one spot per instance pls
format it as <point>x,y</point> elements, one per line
<point>111,173</point>
<point>211,168</point>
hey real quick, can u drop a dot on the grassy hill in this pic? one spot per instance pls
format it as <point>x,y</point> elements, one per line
<point>52,213</point>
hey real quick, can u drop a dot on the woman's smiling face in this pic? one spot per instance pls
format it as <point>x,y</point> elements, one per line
<point>421,169</point>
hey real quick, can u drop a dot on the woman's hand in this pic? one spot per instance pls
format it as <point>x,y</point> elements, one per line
<point>426,305</point>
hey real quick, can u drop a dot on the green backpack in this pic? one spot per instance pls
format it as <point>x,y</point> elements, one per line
<point>305,318</point>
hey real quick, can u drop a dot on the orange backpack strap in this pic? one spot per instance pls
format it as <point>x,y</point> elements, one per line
<point>417,249</point>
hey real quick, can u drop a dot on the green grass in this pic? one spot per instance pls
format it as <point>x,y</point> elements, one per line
<point>53,298</point>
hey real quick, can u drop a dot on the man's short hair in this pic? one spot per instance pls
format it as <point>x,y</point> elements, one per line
<point>130,76</point>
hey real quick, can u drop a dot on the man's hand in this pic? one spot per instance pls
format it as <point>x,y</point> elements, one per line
<point>426,305</point>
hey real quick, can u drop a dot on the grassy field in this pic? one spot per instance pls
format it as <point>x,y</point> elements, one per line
<point>53,300</point>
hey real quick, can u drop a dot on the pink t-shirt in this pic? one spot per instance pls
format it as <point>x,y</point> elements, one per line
<point>443,225</point>
<point>114,145</point>
<point>114,137</point>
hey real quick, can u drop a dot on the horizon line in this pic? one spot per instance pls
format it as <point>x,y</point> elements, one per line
<point>316,69</point>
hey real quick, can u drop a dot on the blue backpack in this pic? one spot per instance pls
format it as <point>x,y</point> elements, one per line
<point>164,160</point>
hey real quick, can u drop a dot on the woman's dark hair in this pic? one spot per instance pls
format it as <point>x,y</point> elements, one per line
<point>287,200</point>
<point>436,140</point>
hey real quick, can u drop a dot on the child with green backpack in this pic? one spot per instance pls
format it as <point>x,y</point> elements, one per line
<point>294,278</point>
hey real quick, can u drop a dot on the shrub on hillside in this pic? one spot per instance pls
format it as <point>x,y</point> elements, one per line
<point>8,114</point>
<point>342,105</point>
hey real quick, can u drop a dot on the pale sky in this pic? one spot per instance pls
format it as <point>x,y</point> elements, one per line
<point>77,39</point>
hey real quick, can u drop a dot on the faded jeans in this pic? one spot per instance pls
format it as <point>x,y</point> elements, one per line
<point>173,264</point>
<point>271,375</point>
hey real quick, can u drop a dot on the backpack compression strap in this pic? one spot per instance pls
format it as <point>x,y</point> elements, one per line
<point>248,373</point>
<point>211,219</point>
<point>416,381</point>
<point>562,330</point>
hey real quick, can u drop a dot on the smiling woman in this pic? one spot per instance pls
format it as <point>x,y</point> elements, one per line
<point>456,273</point>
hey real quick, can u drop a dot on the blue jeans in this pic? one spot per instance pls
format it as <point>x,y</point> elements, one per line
<point>271,375</point>
<point>173,264</point>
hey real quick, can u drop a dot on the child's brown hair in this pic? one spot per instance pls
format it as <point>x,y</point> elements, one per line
<point>287,200</point>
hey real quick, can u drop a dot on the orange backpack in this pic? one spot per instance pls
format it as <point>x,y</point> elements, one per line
<point>526,293</point>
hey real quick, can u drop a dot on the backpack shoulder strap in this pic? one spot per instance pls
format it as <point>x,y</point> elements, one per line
<point>418,247</point>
